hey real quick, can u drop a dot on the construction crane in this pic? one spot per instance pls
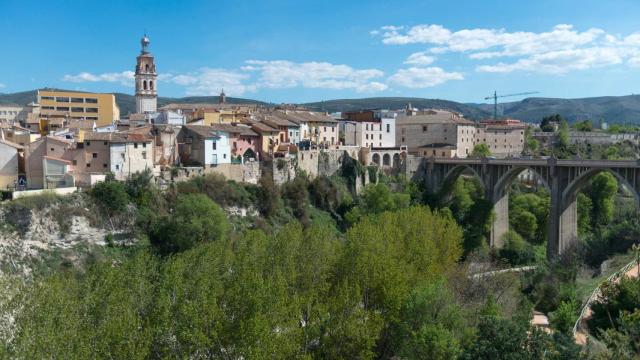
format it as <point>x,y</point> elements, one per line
<point>495,97</point>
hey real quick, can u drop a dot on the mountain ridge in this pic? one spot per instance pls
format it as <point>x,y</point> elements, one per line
<point>613,109</point>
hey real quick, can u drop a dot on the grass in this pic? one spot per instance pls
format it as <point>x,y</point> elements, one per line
<point>586,284</point>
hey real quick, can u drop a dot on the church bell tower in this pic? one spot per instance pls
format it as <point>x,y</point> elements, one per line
<point>146,75</point>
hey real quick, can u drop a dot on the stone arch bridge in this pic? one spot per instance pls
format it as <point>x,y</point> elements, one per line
<point>563,178</point>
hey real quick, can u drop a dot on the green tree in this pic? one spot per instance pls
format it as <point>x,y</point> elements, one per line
<point>585,125</point>
<point>481,150</point>
<point>111,196</point>
<point>585,208</point>
<point>432,324</point>
<point>563,318</point>
<point>563,134</point>
<point>602,191</point>
<point>195,219</point>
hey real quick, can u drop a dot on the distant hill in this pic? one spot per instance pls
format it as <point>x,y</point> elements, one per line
<point>127,102</point>
<point>395,103</point>
<point>613,109</point>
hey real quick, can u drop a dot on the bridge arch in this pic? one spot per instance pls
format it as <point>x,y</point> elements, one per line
<point>502,184</point>
<point>453,174</point>
<point>569,194</point>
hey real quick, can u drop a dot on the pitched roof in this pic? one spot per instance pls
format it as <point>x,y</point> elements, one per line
<point>12,144</point>
<point>437,117</point>
<point>274,119</point>
<point>209,131</point>
<point>300,116</point>
<point>121,137</point>
<point>262,127</point>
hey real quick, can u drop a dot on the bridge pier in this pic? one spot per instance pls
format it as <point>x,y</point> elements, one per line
<point>500,224</point>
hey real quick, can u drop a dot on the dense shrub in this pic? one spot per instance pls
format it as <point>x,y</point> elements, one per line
<point>111,196</point>
<point>195,219</point>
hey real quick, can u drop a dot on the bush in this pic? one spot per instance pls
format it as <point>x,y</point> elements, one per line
<point>565,317</point>
<point>195,219</point>
<point>111,196</point>
<point>516,250</point>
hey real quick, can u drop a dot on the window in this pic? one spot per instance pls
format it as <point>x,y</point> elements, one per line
<point>88,164</point>
<point>403,140</point>
<point>62,99</point>
<point>135,145</point>
<point>380,137</point>
<point>88,143</point>
<point>224,156</point>
<point>235,145</point>
<point>366,127</point>
<point>144,155</point>
<point>144,145</point>
<point>325,129</point>
<point>144,85</point>
<point>48,108</point>
<point>77,109</point>
<point>92,110</point>
<point>77,100</point>
<point>388,128</point>
<point>151,85</point>
<point>366,136</point>
<point>52,150</point>
<point>75,162</point>
<point>62,108</point>
<point>91,101</point>
<point>214,145</point>
<point>104,165</point>
<point>46,97</point>
<point>117,167</point>
<point>424,128</point>
<point>95,155</point>
<point>122,155</point>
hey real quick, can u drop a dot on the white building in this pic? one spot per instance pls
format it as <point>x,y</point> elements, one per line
<point>204,145</point>
<point>129,154</point>
<point>14,114</point>
<point>167,117</point>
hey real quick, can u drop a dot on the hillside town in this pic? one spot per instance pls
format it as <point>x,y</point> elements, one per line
<point>68,139</point>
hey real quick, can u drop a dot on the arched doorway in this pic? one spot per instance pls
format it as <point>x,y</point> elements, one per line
<point>386,160</point>
<point>376,159</point>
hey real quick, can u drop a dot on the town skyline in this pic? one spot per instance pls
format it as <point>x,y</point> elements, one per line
<point>408,52</point>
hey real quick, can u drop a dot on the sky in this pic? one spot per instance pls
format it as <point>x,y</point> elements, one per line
<point>303,51</point>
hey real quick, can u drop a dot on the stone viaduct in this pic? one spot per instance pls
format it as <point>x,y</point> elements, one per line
<point>563,178</point>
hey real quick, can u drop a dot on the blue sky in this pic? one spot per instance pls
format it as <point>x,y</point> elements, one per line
<point>298,51</point>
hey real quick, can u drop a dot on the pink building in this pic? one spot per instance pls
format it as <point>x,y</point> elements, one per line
<point>243,141</point>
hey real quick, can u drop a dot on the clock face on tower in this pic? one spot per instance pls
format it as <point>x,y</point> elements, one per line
<point>145,77</point>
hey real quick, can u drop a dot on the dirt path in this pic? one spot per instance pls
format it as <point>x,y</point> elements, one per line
<point>580,332</point>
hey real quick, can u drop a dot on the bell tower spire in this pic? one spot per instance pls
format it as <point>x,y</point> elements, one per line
<point>146,76</point>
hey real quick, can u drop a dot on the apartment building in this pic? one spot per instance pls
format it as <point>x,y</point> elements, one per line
<point>435,129</point>
<point>100,109</point>
<point>368,129</point>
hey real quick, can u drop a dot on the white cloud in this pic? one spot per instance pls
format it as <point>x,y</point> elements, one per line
<point>281,74</point>
<point>125,77</point>
<point>420,58</point>
<point>558,62</point>
<point>208,81</point>
<point>2,85</point>
<point>257,74</point>
<point>559,50</point>
<point>417,78</point>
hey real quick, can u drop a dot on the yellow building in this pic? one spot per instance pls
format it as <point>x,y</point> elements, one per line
<point>217,116</point>
<point>92,107</point>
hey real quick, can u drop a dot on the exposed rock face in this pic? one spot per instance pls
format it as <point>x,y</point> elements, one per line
<point>39,234</point>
